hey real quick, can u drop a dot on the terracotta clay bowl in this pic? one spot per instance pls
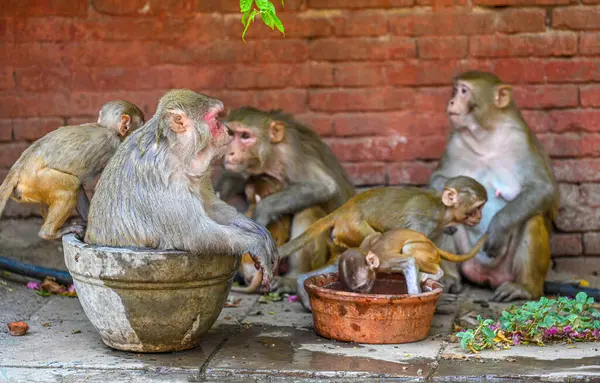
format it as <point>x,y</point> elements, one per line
<point>388,315</point>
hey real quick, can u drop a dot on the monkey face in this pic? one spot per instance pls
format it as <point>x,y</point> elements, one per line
<point>461,104</point>
<point>241,151</point>
<point>470,214</point>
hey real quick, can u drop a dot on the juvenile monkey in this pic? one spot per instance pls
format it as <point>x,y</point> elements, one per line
<point>156,190</point>
<point>491,142</point>
<point>52,170</point>
<point>399,250</point>
<point>388,208</point>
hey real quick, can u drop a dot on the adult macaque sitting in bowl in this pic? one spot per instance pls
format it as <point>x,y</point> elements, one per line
<point>401,250</point>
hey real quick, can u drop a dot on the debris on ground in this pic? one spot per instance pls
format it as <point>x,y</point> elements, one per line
<point>50,286</point>
<point>232,302</point>
<point>270,297</point>
<point>17,328</point>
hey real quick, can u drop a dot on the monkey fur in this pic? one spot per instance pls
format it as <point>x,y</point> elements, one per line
<point>387,208</point>
<point>156,190</point>
<point>53,169</point>
<point>400,250</point>
<point>491,142</point>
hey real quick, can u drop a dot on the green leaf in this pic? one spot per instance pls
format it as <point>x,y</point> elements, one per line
<point>245,17</point>
<point>581,297</point>
<point>464,343</point>
<point>489,334</point>
<point>590,301</point>
<point>248,21</point>
<point>282,2</point>
<point>278,24</point>
<point>267,18</point>
<point>245,5</point>
<point>263,4</point>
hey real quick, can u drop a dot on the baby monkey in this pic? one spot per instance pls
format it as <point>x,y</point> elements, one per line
<point>51,171</point>
<point>400,250</point>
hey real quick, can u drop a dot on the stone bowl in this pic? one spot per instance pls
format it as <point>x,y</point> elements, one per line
<point>387,315</point>
<point>146,300</point>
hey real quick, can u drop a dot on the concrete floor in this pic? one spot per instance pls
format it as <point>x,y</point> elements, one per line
<point>253,342</point>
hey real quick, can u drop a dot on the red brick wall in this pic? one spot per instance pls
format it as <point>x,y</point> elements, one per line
<point>370,75</point>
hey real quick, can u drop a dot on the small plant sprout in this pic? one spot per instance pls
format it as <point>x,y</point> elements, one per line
<point>547,320</point>
<point>267,13</point>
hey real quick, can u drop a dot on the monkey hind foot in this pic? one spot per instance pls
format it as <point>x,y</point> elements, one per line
<point>510,291</point>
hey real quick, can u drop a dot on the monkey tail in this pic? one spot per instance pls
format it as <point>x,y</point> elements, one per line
<point>7,187</point>
<point>254,285</point>
<point>461,258</point>
<point>305,238</point>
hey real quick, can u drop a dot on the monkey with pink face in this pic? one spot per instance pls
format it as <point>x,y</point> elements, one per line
<point>156,191</point>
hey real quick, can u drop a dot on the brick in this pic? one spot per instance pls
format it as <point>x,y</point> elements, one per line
<point>7,29</point>
<point>410,173</point>
<point>212,53</point>
<point>9,153</point>
<point>571,195</point>
<point>578,265</point>
<point>590,1</point>
<point>87,103</point>
<point>364,99</point>
<point>538,121</point>
<point>354,4</point>
<point>587,120</point>
<point>390,124</point>
<point>590,194</point>
<point>281,51</point>
<point>428,72</point>
<point>100,79</point>
<point>589,96</point>
<point>34,105</point>
<point>537,45</point>
<point>502,3</point>
<point>440,4</point>
<point>32,8</point>
<point>364,148</point>
<point>31,129</point>
<point>113,53</point>
<point>383,48</point>
<point>366,173</point>
<point>576,18</point>
<point>265,76</point>
<point>358,74</point>
<point>546,96</point>
<point>589,44</point>
<point>442,47</point>
<point>6,127</point>
<point>210,6</point>
<point>203,77</point>
<point>297,25</point>
<point>290,100</point>
<point>453,21</point>
<point>7,79</point>
<point>562,145</point>
<point>43,79</point>
<point>84,119</point>
<point>44,29</point>
<point>319,122</point>
<point>577,170</point>
<point>34,54</point>
<point>235,99</point>
<point>577,219</point>
<point>566,244</point>
<point>520,71</point>
<point>572,70</point>
<point>360,24</point>
<point>143,7</point>
<point>591,243</point>
<point>435,99</point>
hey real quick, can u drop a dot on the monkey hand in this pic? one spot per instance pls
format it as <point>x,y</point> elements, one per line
<point>263,215</point>
<point>497,240</point>
<point>262,248</point>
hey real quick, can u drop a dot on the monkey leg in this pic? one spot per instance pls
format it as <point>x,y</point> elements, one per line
<point>451,279</point>
<point>348,234</point>
<point>530,263</point>
<point>83,204</point>
<point>60,194</point>
<point>408,267</point>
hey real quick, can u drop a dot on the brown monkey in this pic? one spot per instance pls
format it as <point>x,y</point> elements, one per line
<point>492,143</point>
<point>256,188</point>
<point>388,208</point>
<point>398,250</point>
<point>53,169</point>
<point>156,190</point>
<point>274,143</point>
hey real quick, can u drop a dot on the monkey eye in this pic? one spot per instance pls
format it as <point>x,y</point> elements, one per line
<point>463,90</point>
<point>245,136</point>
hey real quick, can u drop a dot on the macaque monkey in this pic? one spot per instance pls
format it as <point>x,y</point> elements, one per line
<point>54,168</point>
<point>388,208</point>
<point>492,143</point>
<point>274,143</point>
<point>156,190</point>
<point>399,250</point>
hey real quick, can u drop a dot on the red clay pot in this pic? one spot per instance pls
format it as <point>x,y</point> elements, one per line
<point>388,315</point>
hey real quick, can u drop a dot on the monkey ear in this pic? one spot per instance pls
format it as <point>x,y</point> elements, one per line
<point>449,197</point>
<point>257,198</point>
<point>276,131</point>
<point>124,125</point>
<point>503,96</point>
<point>372,260</point>
<point>177,121</point>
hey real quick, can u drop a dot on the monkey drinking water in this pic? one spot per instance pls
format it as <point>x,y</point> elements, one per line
<point>156,191</point>
<point>492,143</point>
<point>388,208</point>
<point>400,250</point>
<point>52,170</point>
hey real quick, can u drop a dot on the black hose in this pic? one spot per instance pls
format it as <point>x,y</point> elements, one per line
<point>569,290</point>
<point>34,271</point>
